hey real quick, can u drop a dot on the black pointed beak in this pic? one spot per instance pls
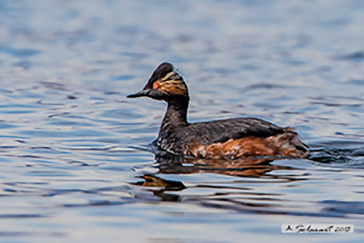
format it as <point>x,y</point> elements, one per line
<point>138,94</point>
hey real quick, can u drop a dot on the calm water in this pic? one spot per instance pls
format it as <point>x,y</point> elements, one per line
<point>75,162</point>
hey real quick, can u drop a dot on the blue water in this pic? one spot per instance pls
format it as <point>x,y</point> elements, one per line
<point>75,162</point>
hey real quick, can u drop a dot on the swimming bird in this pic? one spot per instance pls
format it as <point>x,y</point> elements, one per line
<point>224,139</point>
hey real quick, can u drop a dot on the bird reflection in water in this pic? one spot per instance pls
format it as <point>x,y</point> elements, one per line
<point>243,167</point>
<point>251,167</point>
<point>162,185</point>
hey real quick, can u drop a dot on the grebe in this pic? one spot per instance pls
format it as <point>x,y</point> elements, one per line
<point>226,139</point>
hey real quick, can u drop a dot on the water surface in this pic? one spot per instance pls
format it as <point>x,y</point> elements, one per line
<point>75,164</point>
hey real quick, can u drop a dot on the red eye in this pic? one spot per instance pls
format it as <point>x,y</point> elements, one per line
<point>155,86</point>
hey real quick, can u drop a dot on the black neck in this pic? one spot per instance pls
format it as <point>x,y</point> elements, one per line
<point>176,113</point>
